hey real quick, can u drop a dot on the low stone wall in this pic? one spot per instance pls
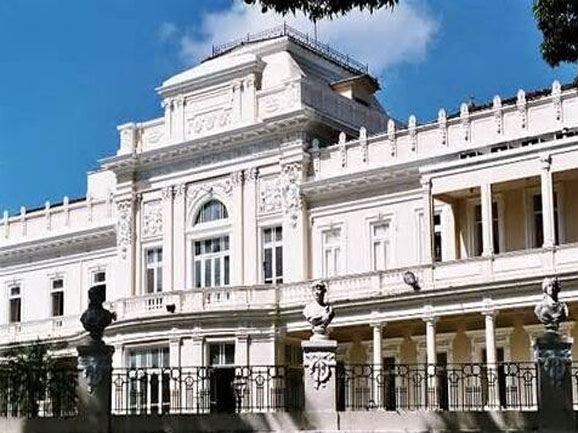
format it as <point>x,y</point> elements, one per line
<point>407,422</point>
<point>420,421</point>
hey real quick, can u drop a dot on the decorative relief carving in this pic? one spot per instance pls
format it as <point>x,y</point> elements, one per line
<point>236,178</point>
<point>465,120</point>
<point>124,230</point>
<point>557,99</point>
<point>556,363</point>
<point>364,144</point>
<point>152,218</point>
<point>319,366</point>
<point>412,125</point>
<point>498,117</point>
<point>343,149</point>
<point>283,194</point>
<point>391,137</point>
<point>522,108</point>
<point>152,137</point>
<point>207,122</point>
<point>315,156</point>
<point>285,100</point>
<point>252,174</point>
<point>180,190</point>
<point>167,193</point>
<point>196,192</point>
<point>443,126</point>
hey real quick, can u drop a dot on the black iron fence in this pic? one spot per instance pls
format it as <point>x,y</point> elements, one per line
<point>38,393</point>
<point>197,390</point>
<point>452,387</point>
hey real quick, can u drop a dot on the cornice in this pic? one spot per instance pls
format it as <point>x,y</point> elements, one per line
<point>65,241</point>
<point>207,146</point>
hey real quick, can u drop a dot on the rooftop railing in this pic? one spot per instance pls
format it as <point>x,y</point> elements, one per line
<point>300,38</point>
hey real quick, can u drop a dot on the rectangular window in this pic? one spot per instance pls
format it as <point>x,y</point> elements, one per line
<point>99,278</point>
<point>15,297</point>
<point>537,220</point>
<point>57,295</point>
<point>273,255</point>
<point>437,232</point>
<point>211,262</point>
<point>381,245</point>
<point>478,231</point>
<point>149,390</point>
<point>332,253</point>
<point>154,270</point>
<point>222,354</point>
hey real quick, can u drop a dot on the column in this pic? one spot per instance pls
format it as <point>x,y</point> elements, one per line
<point>252,265</point>
<point>138,253</point>
<point>237,228</point>
<point>487,220</point>
<point>295,224</point>
<point>427,254</point>
<point>491,359</point>
<point>547,202</point>
<point>378,375</point>
<point>179,222</point>
<point>174,351</point>
<point>125,243</point>
<point>174,362</point>
<point>167,203</point>
<point>242,348</point>
<point>431,396</point>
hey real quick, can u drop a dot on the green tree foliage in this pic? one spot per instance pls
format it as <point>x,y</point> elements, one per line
<point>29,376</point>
<point>319,9</point>
<point>558,22</point>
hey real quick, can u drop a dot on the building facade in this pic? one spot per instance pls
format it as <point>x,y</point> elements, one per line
<point>273,164</point>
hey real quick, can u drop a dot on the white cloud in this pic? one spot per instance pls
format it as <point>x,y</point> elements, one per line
<point>382,39</point>
<point>167,31</point>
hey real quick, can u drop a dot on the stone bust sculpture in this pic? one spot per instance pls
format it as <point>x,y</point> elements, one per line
<point>550,311</point>
<point>96,318</point>
<point>318,313</point>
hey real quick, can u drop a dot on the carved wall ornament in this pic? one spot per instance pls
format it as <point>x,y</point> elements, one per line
<point>364,144</point>
<point>270,200</point>
<point>391,137</point>
<point>412,127</point>
<point>236,178</point>
<point>315,156</point>
<point>557,99</point>
<point>522,108</point>
<point>152,137</point>
<point>465,120</point>
<point>124,230</point>
<point>556,364</point>
<point>342,149</point>
<point>319,365</point>
<point>180,190</point>
<point>498,115</point>
<point>443,126</point>
<point>252,174</point>
<point>152,218</point>
<point>167,193</point>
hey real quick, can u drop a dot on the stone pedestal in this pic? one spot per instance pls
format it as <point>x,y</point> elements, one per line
<point>95,387</point>
<point>320,375</point>
<point>554,359</point>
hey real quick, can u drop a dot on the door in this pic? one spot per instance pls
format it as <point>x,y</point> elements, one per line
<point>389,383</point>
<point>442,379</point>
<point>221,377</point>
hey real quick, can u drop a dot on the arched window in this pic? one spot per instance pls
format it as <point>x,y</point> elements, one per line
<point>212,210</point>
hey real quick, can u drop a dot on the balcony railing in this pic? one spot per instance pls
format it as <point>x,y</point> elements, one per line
<point>199,390</point>
<point>453,387</point>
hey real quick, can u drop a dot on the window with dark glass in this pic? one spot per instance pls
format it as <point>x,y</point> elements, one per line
<point>273,255</point>
<point>57,295</point>
<point>154,270</point>
<point>221,354</point>
<point>15,304</point>
<point>213,210</point>
<point>537,220</point>
<point>478,231</point>
<point>437,237</point>
<point>211,262</point>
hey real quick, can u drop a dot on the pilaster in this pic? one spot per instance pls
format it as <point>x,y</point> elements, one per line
<point>251,262</point>
<point>547,201</point>
<point>487,220</point>
<point>179,229</point>
<point>427,221</point>
<point>237,234</point>
<point>167,204</point>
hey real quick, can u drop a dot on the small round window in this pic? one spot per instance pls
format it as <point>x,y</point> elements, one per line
<point>211,211</point>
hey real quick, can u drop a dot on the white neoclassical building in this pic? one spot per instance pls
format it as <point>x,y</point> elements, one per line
<point>272,164</point>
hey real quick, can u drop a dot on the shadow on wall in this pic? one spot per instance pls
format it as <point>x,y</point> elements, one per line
<point>418,421</point>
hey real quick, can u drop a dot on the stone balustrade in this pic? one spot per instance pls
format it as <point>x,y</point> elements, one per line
<point>507,267</point>
<point>49,220</point>
<point>524,120</point>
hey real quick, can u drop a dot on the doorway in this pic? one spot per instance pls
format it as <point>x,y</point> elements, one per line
<point>221,377</point>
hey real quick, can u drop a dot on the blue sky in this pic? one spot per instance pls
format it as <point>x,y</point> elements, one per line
<point>71,73</point>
